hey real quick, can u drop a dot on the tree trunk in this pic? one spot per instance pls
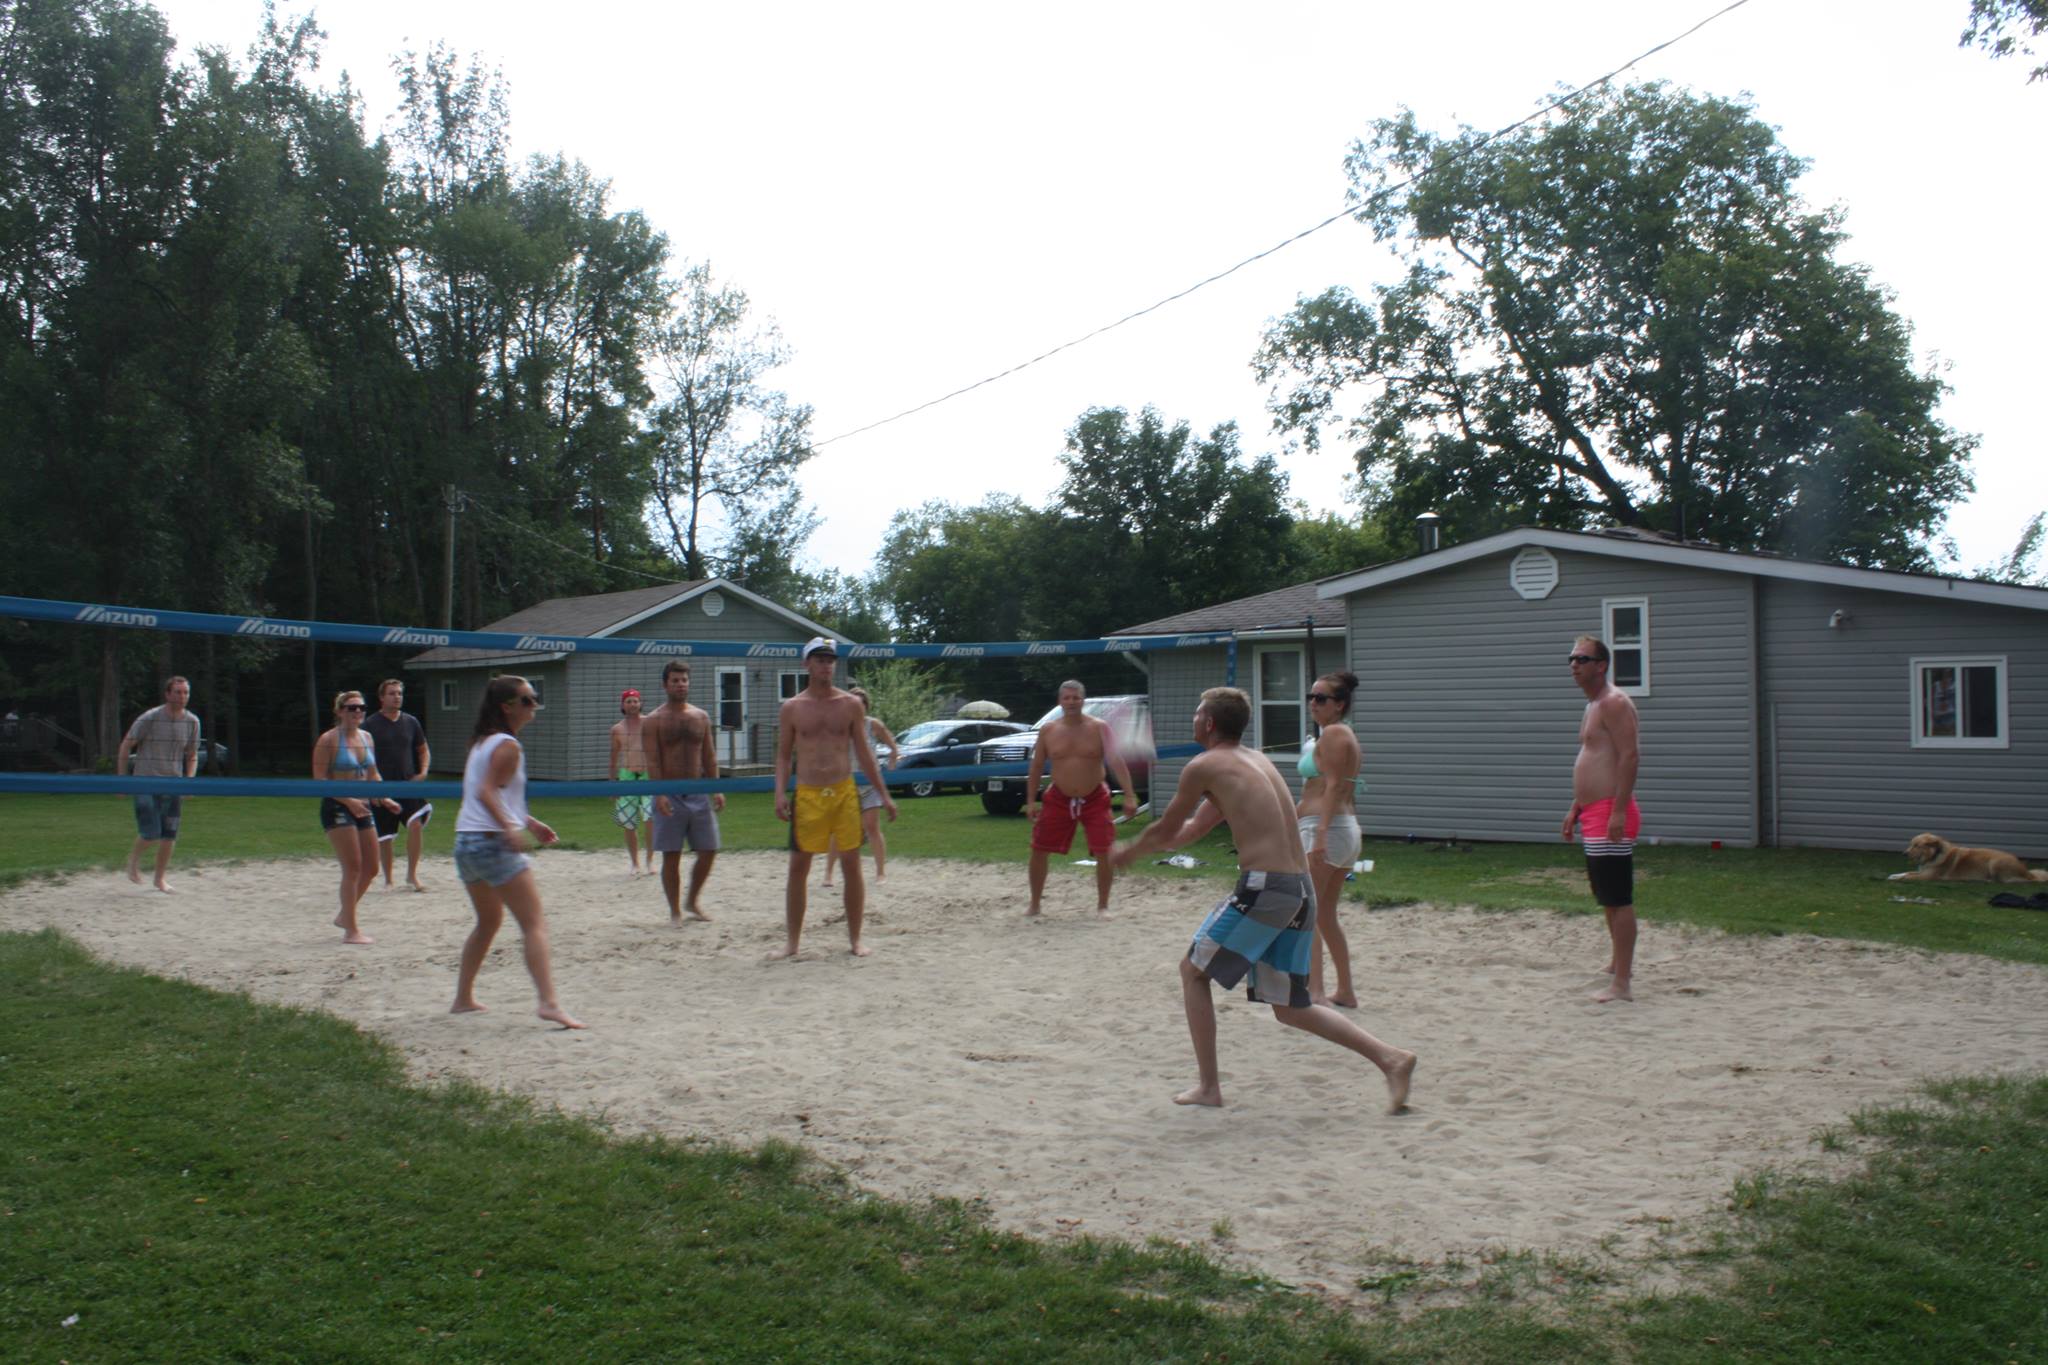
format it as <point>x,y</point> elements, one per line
<point>312,614</point>
<point>107,733</point>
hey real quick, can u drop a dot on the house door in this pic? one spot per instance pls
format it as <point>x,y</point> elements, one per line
<point>731,718</point>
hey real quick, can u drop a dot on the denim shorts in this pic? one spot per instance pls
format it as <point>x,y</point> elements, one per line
<point>483,857</point>
<point>156,817</point>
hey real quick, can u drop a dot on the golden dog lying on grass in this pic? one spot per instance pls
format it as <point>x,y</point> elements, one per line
<point>1942,861</point>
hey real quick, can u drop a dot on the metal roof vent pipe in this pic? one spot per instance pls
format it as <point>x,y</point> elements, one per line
<point>1429,532</point>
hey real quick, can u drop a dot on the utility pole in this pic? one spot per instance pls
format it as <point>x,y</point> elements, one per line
<point>454,501</point>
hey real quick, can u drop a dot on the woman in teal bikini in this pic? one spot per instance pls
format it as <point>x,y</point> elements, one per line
<point>1329,826</point>
<point>344,754</point>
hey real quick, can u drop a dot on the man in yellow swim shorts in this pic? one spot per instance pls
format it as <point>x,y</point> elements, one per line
<point>822,732</point>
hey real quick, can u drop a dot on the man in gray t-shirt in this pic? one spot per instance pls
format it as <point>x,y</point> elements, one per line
<point>164,742</point>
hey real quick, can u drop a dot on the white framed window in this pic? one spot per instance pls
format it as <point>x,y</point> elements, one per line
<point>448,702</point>
<point>1959,702</point>
<point>1278,699</point>
<point>789,684</point>
<point>1625,625</point>
<point>732,698</point>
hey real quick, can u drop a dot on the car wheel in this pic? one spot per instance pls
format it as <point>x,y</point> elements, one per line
<point>1002,803</point>
<point>923,788</point>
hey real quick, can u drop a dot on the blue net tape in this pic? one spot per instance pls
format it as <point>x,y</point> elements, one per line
<point>281,628</point>
<point>70,785</point>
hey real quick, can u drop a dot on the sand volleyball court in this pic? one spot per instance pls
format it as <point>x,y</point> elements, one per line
<point>1030,1063</point>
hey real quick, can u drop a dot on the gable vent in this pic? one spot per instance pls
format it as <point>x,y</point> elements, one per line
<point>1533,573</point>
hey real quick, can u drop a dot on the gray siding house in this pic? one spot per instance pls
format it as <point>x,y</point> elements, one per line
<point>1782,702</point>
<point>571,739</point>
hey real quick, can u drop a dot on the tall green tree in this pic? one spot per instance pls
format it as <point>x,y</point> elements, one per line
<point>951,573</point>
<point>2003,27</point>
<point>727,446</point>
<point>1625,315</point>
<point>98,172</point>
<point>1169,520</point>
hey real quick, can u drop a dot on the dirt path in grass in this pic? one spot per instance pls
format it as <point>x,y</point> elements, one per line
<point>1030,1063</point>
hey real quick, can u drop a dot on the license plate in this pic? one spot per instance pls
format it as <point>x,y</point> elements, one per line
<point>995,786</point>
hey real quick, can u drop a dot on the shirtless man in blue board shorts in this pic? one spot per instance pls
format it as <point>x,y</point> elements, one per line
<point>1261,933</point>
<point>677,743</point>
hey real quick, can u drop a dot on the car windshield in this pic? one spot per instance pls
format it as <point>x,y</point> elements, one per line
<point>925,732</point>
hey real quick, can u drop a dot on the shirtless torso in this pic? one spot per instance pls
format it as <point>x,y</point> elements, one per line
<point>627,753</point>
<point>1610,719</point>
<point>822,728</point>
<point>1073,748</point>
<point>1249,794</point>
<point>676,740</point>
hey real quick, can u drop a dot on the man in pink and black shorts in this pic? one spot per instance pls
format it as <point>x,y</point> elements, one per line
<point>1604,808</point>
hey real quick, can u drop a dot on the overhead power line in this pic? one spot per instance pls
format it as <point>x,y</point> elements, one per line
<point>1348,211</point>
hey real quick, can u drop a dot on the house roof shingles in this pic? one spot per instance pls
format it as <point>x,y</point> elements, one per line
<point>1281,609</point>
<point>595,615</point>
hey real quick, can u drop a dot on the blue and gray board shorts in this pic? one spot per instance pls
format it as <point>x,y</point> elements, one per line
<point>1261,935</point>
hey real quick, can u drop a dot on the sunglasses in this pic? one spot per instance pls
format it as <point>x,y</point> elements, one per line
<point>1323,696</point>
<point>353,706</point>
<point>1582,658</point>
<point>529,700</point>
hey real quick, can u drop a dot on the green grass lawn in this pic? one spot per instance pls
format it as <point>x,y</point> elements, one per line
<point>192,1176</point>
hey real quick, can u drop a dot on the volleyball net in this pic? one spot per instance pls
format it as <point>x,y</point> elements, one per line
<point>288,630</point>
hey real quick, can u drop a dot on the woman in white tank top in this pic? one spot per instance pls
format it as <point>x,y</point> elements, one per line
<point>490,845</point>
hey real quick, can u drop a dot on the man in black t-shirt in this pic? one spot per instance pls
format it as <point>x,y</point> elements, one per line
<point>402,756</point>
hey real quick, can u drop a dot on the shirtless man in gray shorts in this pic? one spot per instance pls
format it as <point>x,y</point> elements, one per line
<point>677,741</point>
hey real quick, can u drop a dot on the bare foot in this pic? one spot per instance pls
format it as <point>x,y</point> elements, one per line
<point>1102,912</point>
<point>165,887</point>
<point>555,1014</point>
<point>355,936</point>
<point>1033,910</point>
<point>861,950</point>
<point>134,874</point>
<point>415,886</point>
<point>1342,1003</point>
<point>1212,1096</point>
<point>698,914</point>
<point>1618,991</point>
<point>786,951</point>
<point>1398,1080</point>
<point>467,1007</point>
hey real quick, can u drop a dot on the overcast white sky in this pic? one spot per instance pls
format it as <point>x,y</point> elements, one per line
<point>922,195</point>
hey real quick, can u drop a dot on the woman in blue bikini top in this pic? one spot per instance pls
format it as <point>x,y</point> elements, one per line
<point>1329,825</point>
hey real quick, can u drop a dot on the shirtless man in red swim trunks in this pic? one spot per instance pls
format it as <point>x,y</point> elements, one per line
<point>1604,806</point>
<point>1076,745</point>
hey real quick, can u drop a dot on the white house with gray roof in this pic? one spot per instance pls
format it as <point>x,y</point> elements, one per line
<point>570,740</point>
<point>1783,702</point>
